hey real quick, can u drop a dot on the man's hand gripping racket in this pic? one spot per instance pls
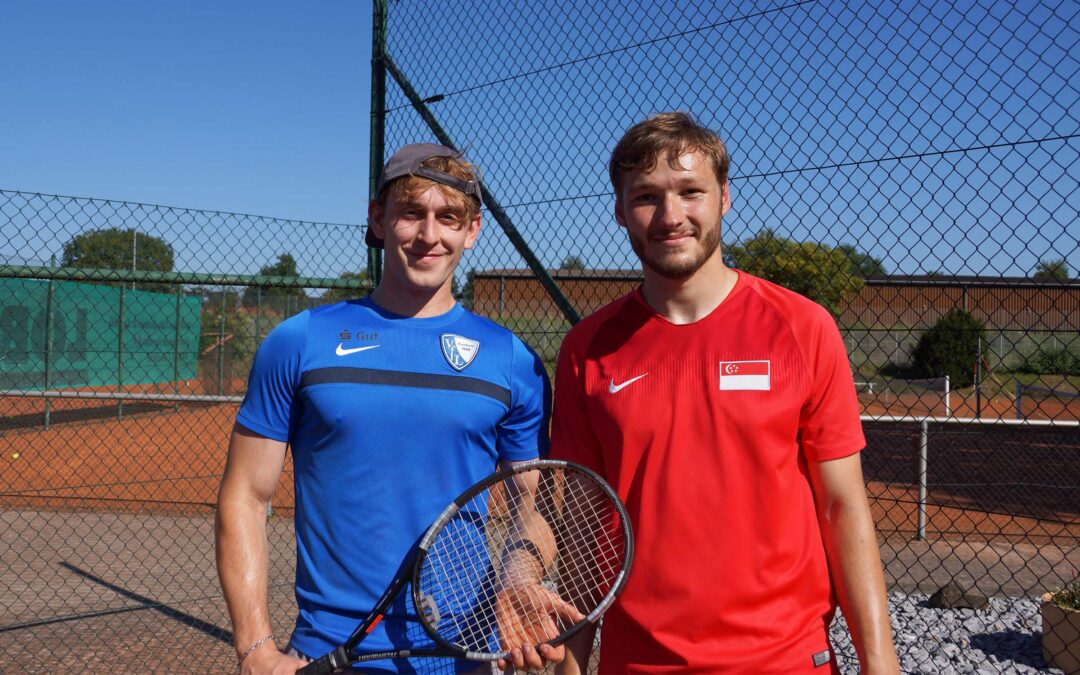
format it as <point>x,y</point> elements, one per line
<point>528,556</point>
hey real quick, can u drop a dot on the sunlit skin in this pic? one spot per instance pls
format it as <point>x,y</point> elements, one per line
<point>672,215</point>
<point>424,239</point>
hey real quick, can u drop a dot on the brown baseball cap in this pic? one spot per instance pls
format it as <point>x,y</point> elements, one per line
<point>407,162</point>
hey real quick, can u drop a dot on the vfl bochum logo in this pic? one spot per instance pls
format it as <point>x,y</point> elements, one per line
<point>459,351</point>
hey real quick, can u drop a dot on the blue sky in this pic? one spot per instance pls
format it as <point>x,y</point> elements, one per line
<point>922,134</point>
<point>252,107</point>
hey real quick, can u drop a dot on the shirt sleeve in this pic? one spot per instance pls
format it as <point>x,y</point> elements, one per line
<point>523,432</point>
<point>829,425</point>
<point>270,401</point>
<point>572,435</point>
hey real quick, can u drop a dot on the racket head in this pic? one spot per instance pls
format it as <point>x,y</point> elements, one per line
<point>536,551</point>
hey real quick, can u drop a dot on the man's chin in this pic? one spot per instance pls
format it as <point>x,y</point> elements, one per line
<point>427,283</point>
<point>672,267</point>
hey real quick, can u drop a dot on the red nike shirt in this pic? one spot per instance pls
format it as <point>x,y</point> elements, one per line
<point>705,430</point>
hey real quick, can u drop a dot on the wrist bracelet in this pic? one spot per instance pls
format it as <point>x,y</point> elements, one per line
<point>527,545</point>
<point>255,646</point>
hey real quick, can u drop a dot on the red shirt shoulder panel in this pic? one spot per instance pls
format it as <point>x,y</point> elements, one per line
<point>829,420</point>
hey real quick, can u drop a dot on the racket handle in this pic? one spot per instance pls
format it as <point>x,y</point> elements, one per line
<point>334,662</point>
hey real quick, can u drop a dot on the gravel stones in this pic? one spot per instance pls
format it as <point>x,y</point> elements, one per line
<point>1005,637</point>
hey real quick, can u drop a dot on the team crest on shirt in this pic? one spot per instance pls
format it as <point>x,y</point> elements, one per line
<point>459,351</point>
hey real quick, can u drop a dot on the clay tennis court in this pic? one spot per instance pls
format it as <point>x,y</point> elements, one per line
<point>164,461</point>
<point>988,481</point>
<point>169,457</point>
<point>108,527</point>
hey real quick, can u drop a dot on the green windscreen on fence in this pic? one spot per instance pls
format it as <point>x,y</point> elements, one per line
<point>82,341</point>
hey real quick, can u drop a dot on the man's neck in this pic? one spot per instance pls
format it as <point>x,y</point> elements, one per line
<point>687,300</point>
<point>411,304</point>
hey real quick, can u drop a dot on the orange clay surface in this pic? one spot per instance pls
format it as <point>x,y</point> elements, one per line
<point>988,482</point>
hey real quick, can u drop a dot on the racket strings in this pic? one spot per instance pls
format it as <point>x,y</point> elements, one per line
<point>593,534</point>
<point>508,555</point>
<point>457,581</point>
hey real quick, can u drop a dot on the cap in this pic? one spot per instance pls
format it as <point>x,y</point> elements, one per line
<point>407,162</point>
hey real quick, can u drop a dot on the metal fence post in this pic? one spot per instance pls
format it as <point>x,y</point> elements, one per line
<point>176,343</point>
<point>948,406</point>
<point>48,347</point>
<point>258,315</point>
<point>120,356</point>
<point>221,346</point>
<point>377,123</point>
<point>978,379</point>
<point>923,443</point>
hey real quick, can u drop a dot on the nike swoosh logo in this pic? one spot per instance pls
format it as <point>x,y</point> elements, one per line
<point>616,388</point>
<point>341,351</point>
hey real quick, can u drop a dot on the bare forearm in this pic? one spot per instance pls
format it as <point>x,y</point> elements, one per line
<point>242,562</point>
<point>847,530</point>
<point>860,584</point>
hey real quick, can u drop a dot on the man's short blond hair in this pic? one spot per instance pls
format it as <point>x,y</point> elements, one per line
<point>671,134</point>
<point>411,187</point>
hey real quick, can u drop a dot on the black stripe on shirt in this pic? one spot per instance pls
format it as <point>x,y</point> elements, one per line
<point>403,379</point>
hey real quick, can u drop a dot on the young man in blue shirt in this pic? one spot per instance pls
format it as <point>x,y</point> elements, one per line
<point>392,405</point>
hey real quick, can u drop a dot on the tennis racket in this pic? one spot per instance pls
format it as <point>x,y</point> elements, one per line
<point>530,554</point>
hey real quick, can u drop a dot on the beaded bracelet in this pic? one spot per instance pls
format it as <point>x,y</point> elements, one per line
<point>255,646</point>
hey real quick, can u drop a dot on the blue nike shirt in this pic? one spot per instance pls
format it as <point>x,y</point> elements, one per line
<point>388,418</point>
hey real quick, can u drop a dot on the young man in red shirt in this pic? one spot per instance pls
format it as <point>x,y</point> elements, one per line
<point>722,409</point>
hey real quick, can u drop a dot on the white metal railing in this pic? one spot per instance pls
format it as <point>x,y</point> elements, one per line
<point>121,396</point>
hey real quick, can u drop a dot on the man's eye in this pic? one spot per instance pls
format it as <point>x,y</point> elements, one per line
<point>643,198</point>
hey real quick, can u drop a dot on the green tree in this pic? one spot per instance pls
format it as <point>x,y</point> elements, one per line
<point>339,294</point>
<point>238,340</point>
<point>119,249</point>
<point>230,341</point>
<point>1052,362</point>
<point>572,262</point>
<point>821,273</point>
<point>1048,270</point>
<point>863,264</point>
<point>950,347</point>
<point>281,298</point>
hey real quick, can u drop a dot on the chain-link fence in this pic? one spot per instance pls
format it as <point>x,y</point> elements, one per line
<point>911,166</point>
<point>126,336</point>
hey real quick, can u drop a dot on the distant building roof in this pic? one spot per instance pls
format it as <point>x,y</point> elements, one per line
<point>588,274</point>
<point>876,280</point>
<point>964,280</point>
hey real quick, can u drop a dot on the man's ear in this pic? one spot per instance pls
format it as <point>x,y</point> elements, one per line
<point>473,232</point>
<point>725,204</point>
<point>619,217</point>
<point>375,217</point>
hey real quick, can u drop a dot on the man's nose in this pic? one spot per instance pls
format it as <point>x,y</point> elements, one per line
<point>671,210</point>
<point>429,228</point>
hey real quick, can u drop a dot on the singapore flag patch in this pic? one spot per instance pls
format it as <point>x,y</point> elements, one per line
<point>458,351</point>
<point>745,375</point>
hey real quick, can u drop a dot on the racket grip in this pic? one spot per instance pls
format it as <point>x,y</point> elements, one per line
<point>334,662</point>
